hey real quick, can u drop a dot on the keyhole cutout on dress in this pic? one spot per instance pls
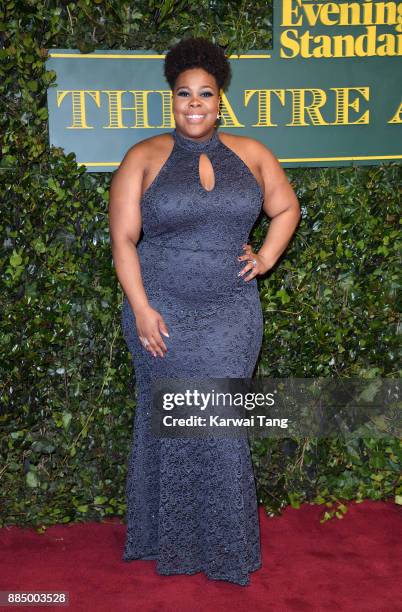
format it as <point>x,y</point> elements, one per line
<point>206,173</point>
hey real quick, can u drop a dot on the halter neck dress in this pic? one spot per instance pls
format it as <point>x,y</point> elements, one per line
<point>191,503</point>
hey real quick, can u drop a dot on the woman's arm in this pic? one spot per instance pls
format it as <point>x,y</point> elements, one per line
<point>125,224</point>
<point>281,204</point>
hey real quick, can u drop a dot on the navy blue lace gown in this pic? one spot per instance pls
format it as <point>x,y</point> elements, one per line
<point>191,503</point>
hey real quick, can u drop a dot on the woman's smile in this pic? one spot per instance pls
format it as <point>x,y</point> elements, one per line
<point>195,118</point>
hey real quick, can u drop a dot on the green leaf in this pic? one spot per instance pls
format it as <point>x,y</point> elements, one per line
<point>15,259</point>
<point>67,416</point>
<point>31,480</point>
<point>100,499</point>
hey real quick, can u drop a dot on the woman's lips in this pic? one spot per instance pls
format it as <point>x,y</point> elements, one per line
<point>195,118</point>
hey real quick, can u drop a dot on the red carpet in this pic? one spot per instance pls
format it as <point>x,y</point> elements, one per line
<point>349,564</point>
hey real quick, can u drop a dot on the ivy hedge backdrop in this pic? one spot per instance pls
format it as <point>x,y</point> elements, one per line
<point>67,385</point>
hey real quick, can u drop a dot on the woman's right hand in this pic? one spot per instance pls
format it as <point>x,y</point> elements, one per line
<point>150,325</point>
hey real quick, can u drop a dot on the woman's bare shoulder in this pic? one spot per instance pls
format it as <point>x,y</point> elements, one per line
<point>253,150</point>
<point>242,142</point>
<point>145,150</point>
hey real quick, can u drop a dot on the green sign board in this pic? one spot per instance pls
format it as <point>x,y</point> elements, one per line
<point>327,94</point>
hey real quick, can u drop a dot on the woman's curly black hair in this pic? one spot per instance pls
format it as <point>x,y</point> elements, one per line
<point>197,53</point>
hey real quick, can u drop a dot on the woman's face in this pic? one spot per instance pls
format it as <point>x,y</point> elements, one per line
<point>195,103</point>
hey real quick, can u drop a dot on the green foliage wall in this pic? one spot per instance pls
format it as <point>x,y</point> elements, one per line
<point>67,385</point>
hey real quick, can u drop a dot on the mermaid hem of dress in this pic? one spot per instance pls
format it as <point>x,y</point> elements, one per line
<point>242,581</point>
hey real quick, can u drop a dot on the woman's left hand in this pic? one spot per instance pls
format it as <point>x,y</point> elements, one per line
<point>259,268</point>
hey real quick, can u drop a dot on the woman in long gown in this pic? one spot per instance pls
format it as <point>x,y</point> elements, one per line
<point>191,310</point>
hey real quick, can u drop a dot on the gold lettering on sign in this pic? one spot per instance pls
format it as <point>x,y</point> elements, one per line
<point>300,13</point>
<point>78,105</point>
<point>397,118</point>
<point>300,107</point>
<point>308,29</point>
<point>167,113</point>
<point>229,118</point>
<point>264,104</point>
<point>343,104</point>
<point>116,108</point>
<point>305,107</point>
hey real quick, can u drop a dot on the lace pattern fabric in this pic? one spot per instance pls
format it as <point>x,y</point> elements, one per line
<point>191,503</point>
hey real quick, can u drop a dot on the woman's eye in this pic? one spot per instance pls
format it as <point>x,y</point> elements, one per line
<point>205,93</point>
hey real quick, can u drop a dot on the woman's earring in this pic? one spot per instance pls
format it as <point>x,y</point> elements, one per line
<point>218,116</point>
